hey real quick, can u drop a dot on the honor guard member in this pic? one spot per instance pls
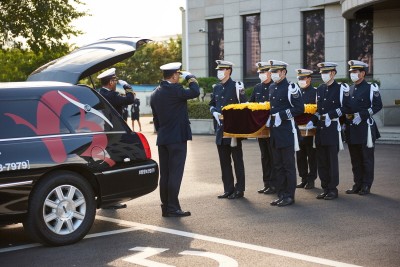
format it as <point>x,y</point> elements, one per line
<point>171,120</point>
<point>286,103</point>
<point>260,94</point>
<point>306,156</point>
<point>109,82</point>
<point>224,93</point>
<point>331,104</point>
<point>361,130</point>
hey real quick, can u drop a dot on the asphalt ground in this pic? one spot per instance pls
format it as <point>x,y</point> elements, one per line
<point>352,230</point>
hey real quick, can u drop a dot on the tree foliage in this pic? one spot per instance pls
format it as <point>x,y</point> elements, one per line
<point>17,64</point>
<point>144,66</point>
<point>42,24</point>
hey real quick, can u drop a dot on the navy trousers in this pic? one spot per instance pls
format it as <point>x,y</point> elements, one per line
<point>172,164</point>
<point>225,153</point>
<point>285,167</point>
<point>267,163</point>
<point>362,162</point>
<point>328,167</point>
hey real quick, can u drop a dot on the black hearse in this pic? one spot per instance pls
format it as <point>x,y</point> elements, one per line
<point>65,151</point>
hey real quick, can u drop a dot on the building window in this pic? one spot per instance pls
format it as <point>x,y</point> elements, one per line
<point>215,44</point>
<point>361,39</point>
<point>251,44</point>
<point>313,38</point>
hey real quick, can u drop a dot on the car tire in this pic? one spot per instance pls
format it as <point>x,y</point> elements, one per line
<point>62,209</point>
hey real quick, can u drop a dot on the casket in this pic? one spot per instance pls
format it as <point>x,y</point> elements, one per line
<point>246,120</point>
<point>305,132</point>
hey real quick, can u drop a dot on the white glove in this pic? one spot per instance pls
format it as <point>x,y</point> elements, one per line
<point>216,116</point>
<point>327,120</point>
<point>278,120</point>
<point>268,124</point>
<point>184,74</point>
<point>357,118</point>
<point>309,125</point>
<point>239,85</point>
<point>345,87</point>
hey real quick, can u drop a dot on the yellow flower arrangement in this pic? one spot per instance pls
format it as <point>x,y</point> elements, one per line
<point>251,106</point>
<point>310,108</point>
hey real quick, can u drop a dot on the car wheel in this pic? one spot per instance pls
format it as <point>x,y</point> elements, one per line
<point>61,209</point>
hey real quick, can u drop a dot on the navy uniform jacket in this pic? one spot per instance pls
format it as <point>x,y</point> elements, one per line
<point>360,102</point>
<point>169,106</point>
<point>309,95</point>
<point>116,100</point>
<point>260,93</point>
<point>282,136</point>
<point>328,101</point>
<point>223,95</point>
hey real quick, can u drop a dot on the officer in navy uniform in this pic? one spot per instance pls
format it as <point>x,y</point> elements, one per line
<point>332,100</point>
<point>109,82</point>
<point>224,93</point>
<point>171,121</point>
<point>361,130</point>
<point>260,94</point>
<point>286,103</point>
<point>306,156</point>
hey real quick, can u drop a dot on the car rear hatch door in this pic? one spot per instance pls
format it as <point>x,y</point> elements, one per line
<point>88,60</point>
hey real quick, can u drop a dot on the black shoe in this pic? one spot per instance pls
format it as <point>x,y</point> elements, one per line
<point>225,195</point>
<point>331,195</point>
<point>177,213</point>
<point>115,207</point>
<point>262,190</point>
<point>364,190</point>
<point>322,195</point>
<point>309,185</point>
<point>353,190</point>
<point>301,185</point>
<point>276,201</point>
<point>237,194</point>
<point>285,202</point>
<point>270,190</point>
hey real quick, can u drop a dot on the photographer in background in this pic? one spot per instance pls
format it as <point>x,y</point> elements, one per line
<point>135,114</point>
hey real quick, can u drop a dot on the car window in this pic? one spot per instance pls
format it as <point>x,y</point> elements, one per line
<point>87,111</point>
<point>27,118</point>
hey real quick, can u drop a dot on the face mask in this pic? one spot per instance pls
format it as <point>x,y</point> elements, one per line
<point>262,76</point>
<point>221,74</point>
<point>326,77</point>
<point>302,83</point>
<point>354,77</point>
<point>275,77</point>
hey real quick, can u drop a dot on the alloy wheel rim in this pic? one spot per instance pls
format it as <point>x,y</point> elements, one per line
<point>64,209</point>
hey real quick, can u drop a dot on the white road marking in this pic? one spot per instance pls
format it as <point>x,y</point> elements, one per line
<point>273,251</point>
<point>145,252</point>
<point>135,228</point>
<point>223,260</point>
<point>139,226</point>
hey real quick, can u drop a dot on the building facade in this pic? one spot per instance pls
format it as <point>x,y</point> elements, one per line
<point>301,33</point>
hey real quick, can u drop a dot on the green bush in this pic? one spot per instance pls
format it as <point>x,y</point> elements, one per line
<point>198,110</point>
